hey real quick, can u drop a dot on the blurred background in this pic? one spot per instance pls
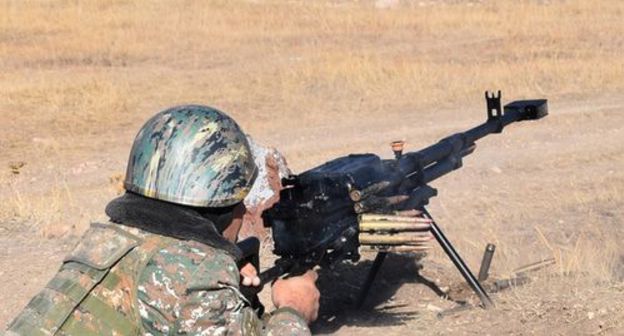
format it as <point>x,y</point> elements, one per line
<point>320,79</point>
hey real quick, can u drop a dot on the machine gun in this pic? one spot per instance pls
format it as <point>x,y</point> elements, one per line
<point>324,214</point>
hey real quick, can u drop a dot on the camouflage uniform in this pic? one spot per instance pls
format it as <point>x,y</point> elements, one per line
<point>126,281</point>
<point>167,269</point>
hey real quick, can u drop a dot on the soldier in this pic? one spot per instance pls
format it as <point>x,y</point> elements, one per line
<point>166,263</point>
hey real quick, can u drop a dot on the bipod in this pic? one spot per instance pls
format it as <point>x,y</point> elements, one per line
<point>448,248</point>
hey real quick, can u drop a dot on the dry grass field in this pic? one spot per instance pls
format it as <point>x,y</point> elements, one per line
<point>318,79</point>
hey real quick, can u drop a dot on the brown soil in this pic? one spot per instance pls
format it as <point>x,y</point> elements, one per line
<point>77,79</point>
<point>505,192</point>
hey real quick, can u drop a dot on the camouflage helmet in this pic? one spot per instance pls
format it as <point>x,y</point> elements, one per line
<point>192,155</point>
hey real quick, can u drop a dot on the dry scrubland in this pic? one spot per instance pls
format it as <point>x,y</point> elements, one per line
<point>320,79</point>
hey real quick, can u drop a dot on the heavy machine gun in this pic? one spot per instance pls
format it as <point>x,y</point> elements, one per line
<point>328,213</point>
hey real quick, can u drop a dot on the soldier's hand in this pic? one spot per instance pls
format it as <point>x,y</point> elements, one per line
<point>299,293</point>
<point>249,275</point>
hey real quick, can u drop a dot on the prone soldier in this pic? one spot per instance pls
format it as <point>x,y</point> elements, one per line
<point>166,262</point>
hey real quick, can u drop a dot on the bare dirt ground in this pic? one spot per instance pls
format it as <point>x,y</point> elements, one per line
<point>318,81</point>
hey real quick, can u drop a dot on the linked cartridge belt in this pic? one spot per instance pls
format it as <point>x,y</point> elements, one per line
<point>376,239</point>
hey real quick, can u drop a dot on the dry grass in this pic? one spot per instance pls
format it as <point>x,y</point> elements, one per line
<point>46,213</point>
<point>96,61</point>
<point>579,225</point>
<point>73,70</point>
<point>78,77</point>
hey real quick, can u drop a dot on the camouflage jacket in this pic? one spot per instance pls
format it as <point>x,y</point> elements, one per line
<point>126,281</point>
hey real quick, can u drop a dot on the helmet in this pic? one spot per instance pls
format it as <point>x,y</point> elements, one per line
<point>191,155</point>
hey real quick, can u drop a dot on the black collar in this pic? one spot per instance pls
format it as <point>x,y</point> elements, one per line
<point>168,219</point>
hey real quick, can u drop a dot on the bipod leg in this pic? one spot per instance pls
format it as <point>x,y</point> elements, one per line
<point>372,273</point>
<point>459,263</point>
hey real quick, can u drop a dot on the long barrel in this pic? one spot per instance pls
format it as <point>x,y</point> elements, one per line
<point>445,156</point>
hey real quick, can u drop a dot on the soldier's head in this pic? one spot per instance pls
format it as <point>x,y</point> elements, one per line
<point>195,156</point>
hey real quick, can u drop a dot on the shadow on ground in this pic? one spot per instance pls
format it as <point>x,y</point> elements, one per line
<point>341,287</point>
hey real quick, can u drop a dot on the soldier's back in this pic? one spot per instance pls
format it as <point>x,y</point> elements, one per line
<point>125,281</point>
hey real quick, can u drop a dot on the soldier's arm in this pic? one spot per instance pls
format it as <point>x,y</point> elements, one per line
<point>214,305</point>
<point>216,312</point>
<point>286,321</point>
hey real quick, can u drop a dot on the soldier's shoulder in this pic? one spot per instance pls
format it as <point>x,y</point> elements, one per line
<point>202,267</point>
<point>102,245</point>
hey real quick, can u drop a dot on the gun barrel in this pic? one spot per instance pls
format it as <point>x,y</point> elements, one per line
<point>456,143</point>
